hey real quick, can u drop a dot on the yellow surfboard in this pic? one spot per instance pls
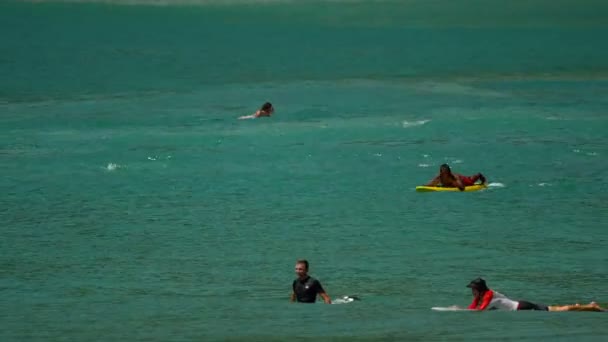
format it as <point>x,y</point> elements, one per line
<point>475,187</point>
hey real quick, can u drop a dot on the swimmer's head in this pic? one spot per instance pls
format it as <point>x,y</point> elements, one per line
<point>478,285</point>
<point>267,107</point>
<point>301,268</point>
<point>445,168</point>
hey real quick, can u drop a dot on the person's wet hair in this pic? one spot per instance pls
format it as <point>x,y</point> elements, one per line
<point>266,106</point>
<point>445,167</point>
<point>478,284</point>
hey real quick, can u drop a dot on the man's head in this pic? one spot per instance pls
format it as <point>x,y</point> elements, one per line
<point>301,268</point>
<point>267,107</point>
<point>478,286</point>
<point>445,169</point>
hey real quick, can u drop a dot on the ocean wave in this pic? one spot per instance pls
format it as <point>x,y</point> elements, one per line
<point>53,100</point>
<point>155,158</point>
<point>408,124</point>
<point>112,167</point>
<point>455,88</point>
<point>557,118</point>
<point>192,2</point>
<point>592,154</point>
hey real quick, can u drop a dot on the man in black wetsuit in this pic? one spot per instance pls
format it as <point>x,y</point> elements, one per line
<point>305,287</point>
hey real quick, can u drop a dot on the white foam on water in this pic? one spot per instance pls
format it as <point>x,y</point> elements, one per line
<point>558,118</point>
<point>576,150</point>
<point>496,185</point>
<point>112,167</point>
<point>408,124</point>
<point>423,165</point>
<point>456,88</point>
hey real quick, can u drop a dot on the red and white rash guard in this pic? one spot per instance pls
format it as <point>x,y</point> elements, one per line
<point>494,300</point>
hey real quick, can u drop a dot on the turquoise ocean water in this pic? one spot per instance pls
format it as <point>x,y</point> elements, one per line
<point>135,206</point>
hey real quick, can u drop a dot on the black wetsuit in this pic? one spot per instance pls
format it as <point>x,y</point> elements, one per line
<point>306,290</point>
<point>525,305</point>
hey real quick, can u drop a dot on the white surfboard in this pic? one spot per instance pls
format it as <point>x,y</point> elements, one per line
<point>449,308</point>
<point>344,300</point>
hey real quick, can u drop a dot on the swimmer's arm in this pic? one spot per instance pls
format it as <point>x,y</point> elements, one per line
<point>292,297</point>
<point>325,297</point>
<point>487,298</point>
<point>473,305</point>
<point>434,182</point>
<point>459,184</point>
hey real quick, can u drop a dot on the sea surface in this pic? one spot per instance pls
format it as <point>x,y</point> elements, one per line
<point>135,205</point>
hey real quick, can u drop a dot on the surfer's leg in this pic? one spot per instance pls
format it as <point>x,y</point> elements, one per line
<point>524,305</point>
<point>593,306</point>
<point>477,177</point>
<point>467,181</point>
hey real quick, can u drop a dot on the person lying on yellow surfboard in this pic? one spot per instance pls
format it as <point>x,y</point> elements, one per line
<point>448,179</point>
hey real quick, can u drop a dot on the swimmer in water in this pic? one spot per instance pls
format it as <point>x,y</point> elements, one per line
<point>305,287</point>
<point>485,298</point>
<point>453,180</point>
<point>266,110</point>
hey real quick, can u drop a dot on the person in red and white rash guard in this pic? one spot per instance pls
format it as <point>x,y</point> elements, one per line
<point>487,299</point>
<point>484,298</point>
